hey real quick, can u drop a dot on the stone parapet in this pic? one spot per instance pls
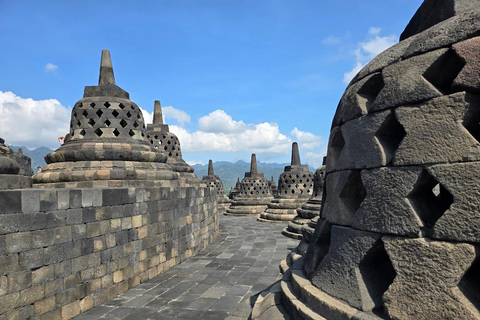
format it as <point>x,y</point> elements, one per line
<point>65,251</point>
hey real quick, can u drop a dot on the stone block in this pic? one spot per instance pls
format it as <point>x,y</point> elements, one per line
<point>430,124</point>
<point>71,310</point>
<point>45,305</point>
<point>75,198</point>
<point>9,264</point>
<point>344,194</point>
<point>43,274</point>
<point>395,216</point>
<point>62,234</point>
<point>468,79</point>
<point>30,201</point>
<point>114,196</point>
<point>319,247</point>
<point>79,232</point>
<point>30,295</point>
<point>456,217</point>
<point>56,218</point>
<point>355,144</point>
<point>11,201</point>
<point>48,200</point>
<point>32,221</point>
<point>356,268</point>
<point>63,196</point>
<point>17,242</point>
<point>432,280</point>
<point>9,223</point>
<point>19,281</point>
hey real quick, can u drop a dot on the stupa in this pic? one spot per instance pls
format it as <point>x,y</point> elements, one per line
<point>254,195</point>
<point>213,181</point>
<point>273,187</point>
<point>106,145</point>
<point>167,143</point>
<point>302,223</point>
<point>295,186</point>
<point>400,226</point>
<point>235,191</point>
<point>15,168</point>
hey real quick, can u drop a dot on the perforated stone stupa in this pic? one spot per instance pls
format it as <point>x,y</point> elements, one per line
<point>400,226</point>
<point>106,145</point>
<point>273,186</point>
<point>235,191</point>
<point>167,143</point>
<point>213,181</point>
<point>254,195</point>
<point>295,186</point>
<point>302,223</point>
<point>15,168</point>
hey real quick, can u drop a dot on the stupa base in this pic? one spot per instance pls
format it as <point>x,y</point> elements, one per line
<point>14,181</point>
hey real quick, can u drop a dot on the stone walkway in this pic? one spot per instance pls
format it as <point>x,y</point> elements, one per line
<point>217,283</point>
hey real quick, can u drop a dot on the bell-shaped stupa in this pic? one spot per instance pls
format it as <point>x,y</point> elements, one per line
<point>235,191</point>
<point>308,211</point>
<point>254,195</point>
<point>399,233</point>
<point>15,168</point>
<point>273,187</point>
<point>167,143</point>
<point>213,181</point>
<point>106,146</point>
<point>295,186</point>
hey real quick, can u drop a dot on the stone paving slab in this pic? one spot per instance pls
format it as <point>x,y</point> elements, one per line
<point>218,283</point>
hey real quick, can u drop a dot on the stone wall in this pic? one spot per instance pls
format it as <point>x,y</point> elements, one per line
<point>64,251</point>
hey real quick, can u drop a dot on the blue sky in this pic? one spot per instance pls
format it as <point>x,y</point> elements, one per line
<point>235,77</point>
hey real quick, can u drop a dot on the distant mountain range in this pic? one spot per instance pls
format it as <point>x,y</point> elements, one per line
<point>227,171</point>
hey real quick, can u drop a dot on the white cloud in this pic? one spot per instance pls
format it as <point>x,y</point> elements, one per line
<point>32,123</point>
<point>314,159</point>
<point>147,116</point>
<point>219,121</point>
<point>367,50</point>
<point>181,116</point>
<point>50,67</point>
<point>192,163</point>
<point>306,140</point>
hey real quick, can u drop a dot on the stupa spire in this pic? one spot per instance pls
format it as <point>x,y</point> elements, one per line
<point>210,168</point>
<point>295,155</point>
<point>253,164</point>
<point>106,70</point>
<point>157,113</point>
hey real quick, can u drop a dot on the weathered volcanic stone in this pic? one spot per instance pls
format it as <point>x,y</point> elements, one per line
<point>15,168</point>
<point>433,280</point>
<point>295,186</point>
<point>469,78</point>
<point>168,144</point>
<point>308,210</point>
<point>254,194</point>
<point>106,145</point>
<point>213,181</point>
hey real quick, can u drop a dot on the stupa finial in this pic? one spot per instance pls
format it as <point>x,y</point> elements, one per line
<point>157,113</point>
<point>210,168</point>
<point>106,69</point>
<point>295,155</point>
<point>253,164</point>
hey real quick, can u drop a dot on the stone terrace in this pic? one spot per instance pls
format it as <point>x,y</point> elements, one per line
<point>217,283</point>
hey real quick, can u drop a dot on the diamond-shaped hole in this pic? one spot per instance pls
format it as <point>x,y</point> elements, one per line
<point>443,71</point>
<point>132,107</point>
<point>390,135</point>
<point>79,123</point>
<point>107,105</point>
<point>429,198</point>
<point>369,91</point>
<point>85,113</point>
<point>98,132</point>
<point>107,123</point>
<point>123,123</point>
<point>92,105</point>
<point>91,122</point>
<point>82,133</point>
<point>115,113</point>
<point>377,272</point>
<point>129,114</point>
<point>471,122</point>
<point>336,144</point>
<point>470,284</point>
<point>99,113</point>
<point>121,106</point>
<point>116,132</point>
<point>135,124</point>
<point>131,133</point>
<point>353,192</point>
<point>80,105</point>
